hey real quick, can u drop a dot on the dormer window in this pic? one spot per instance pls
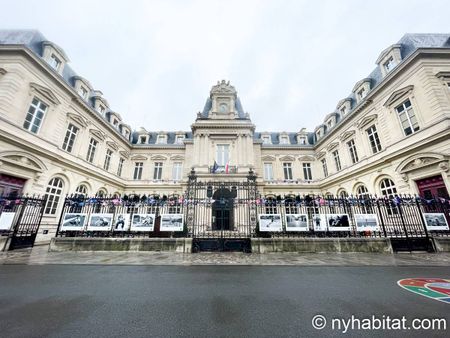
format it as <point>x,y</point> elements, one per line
<point>162,139</point>
<point>302,140</point>
<point>83,92</point>
<point>343,111</point>
<point>54,62</point>
<point>126,133</point>
<point>142,139</point>
<point>223,108</point>
<point>115,122</point>
<point>362,94</point>
<point>389,64</point>
<point>179,139</point>
<point>101,109</point>
<point>330,124</point>
<point>266,139</point>
<point>284,140</point>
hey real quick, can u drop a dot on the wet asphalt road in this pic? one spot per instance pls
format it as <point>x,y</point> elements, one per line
<point>206,301</point>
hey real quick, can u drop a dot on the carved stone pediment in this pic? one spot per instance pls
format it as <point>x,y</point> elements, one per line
<point>23,159</point>
<point>97,133</point>
<point>158,158</point>
<point>223,87</point>
<point>320,154</point>
<point>332,145</point>
<point>346,135</point>
<point>420,161</point>
<point>268,158</point>
<point>45,92</point>
<point>287,158</point>
<point>398,94</point>
<point>366,120</point>
<point>124,153</point>
<point>113,145</point>
<point>78,119</point>
<point>138,157</point>
<point>307,158</point>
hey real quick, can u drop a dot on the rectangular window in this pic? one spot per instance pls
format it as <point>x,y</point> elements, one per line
<point>268,172</point>
<point>157,172</point>
<point>344,110</point>
<point>69,139</point>
<point>307,173</point>
<point>138,166</point>
<point>284,140</point>
<point>54,62</point>
<point>101,109</point>
<point>407,118</point>
<point>177,171</point>
<point>143,139</point>
<point>362,93</point>
<point>374,140</point>
<point>337,160</point>
<point>223,154</point>
<point>161,139</point>
<point>179,139</point>
<point>389,64</point>
<point>352,149</point>
<point>35,116</point>
<point>302,140</point>
<point>287,169</point>
<point>324,167</point>
<point>91,150</point>
<point>107,163</point>
<point>120,166</point>
<point>266,139</point>
<point>83,92</point>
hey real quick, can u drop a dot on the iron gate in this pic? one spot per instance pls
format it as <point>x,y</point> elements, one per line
<point>221,216</point>
<point>24,215</point>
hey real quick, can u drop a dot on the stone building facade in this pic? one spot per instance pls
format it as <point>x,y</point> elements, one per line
<point>58,134</point>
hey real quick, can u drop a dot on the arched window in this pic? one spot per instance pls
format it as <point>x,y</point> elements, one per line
<point>362,191</point>
<point>387,187</point>
<point>53,194</point>
<point>343,194</point>
<point>101,193</point>
<point>81,190</point>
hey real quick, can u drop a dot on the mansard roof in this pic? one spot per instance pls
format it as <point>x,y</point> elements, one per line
<point>408,44</point>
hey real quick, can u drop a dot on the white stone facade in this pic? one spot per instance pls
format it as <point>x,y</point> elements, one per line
<point>395,125</point>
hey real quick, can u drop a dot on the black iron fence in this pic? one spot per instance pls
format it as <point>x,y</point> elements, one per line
<point>20,218</point>
<point>234,211</point>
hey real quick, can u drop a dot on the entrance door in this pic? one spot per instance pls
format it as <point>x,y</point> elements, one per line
<point>222,210</point>
<point>11,186</point>
<point>432,187</point>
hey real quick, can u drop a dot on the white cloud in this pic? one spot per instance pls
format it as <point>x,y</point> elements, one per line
<point>291,61</point>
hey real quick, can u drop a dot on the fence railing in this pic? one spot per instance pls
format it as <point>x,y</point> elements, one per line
<point>268,216</point>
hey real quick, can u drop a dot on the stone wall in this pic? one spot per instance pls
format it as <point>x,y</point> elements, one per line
<point>442,244</point>
<point>373,245</point>
<point>182,245</point>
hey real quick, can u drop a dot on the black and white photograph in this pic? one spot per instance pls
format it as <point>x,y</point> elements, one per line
<point>100,222</point>
<point>122,222</point>
<point>367,222</point>
<point>435,221</point>
<point>73,222</point>
<point>297,222</point>
<point>320,223</point>
<point>6,220</point>
<point>143,222</point>
<point>171,222</point>
<point>338,222</point>
<point>270,222</point>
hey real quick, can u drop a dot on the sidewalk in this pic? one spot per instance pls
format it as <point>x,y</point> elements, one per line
<point>39,255</point>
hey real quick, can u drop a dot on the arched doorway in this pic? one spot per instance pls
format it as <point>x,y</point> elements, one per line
<point>222,210</point>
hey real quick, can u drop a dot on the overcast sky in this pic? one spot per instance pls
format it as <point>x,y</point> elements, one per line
<point>290,61</point>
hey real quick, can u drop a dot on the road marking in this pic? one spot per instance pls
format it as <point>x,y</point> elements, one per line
<point>434,288</point>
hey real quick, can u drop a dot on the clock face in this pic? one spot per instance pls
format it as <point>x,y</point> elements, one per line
<point>223,108</point>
